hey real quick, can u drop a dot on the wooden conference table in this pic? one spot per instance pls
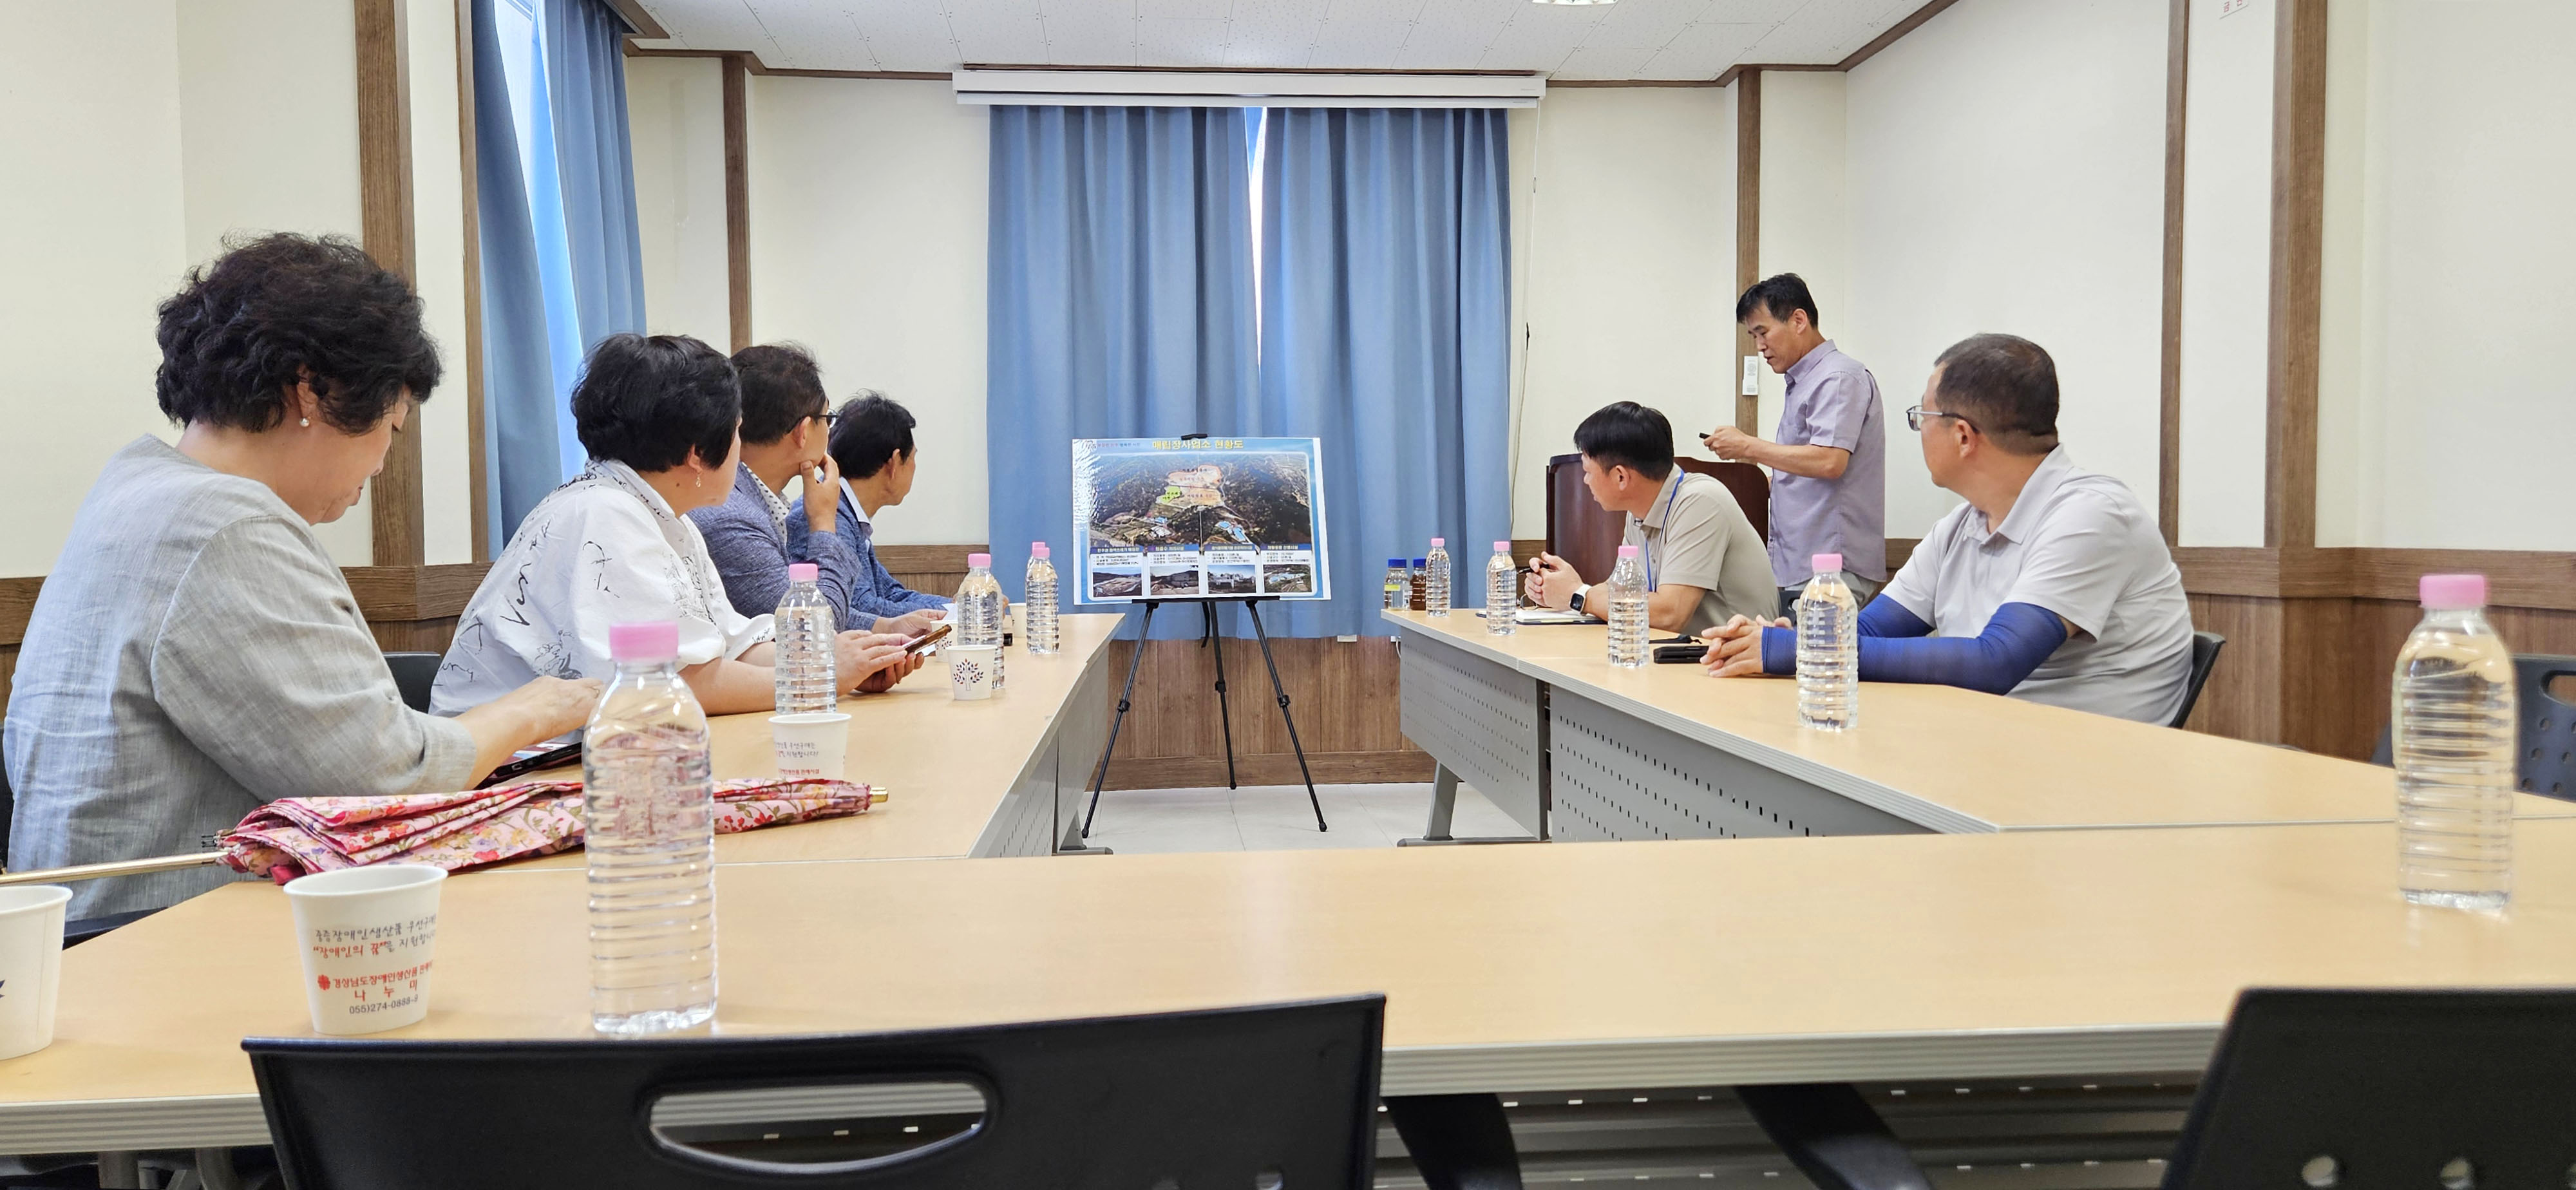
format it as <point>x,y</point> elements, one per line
<point>1576,749</point>
<point>1622,965</point>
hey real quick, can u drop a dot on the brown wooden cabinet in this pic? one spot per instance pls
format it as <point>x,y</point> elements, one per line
<point>1580,531</point>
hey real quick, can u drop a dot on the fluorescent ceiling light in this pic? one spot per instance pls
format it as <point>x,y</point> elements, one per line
<point>1221,88</point>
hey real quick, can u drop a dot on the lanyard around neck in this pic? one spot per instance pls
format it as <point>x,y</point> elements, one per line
<point>1658,534</point>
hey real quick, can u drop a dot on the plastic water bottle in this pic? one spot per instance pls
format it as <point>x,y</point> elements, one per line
<point>1502,591</point>
<point>649,827</point>
<point>1435,588</point>
<point>1039,599</point>
<point>1628,611</point>
<point>1399,586</point>
<point>803,665</point>
<point>1828,649</point>
<point>979,610</point>
<point>2452,717</point>
<point>1416,589</point>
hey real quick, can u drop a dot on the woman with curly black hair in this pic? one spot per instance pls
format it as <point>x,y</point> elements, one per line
<point>195,653</point>
<point>661,418</point>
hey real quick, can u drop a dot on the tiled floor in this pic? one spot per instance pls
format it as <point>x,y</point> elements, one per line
<point>1277,817</point>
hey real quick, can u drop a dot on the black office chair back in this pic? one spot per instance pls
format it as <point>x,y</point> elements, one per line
<point>2545,756</point>
<point>2204,658</point>
<point>2366,1089</point>
<point>1277,1095</point>
<point>414,673</point>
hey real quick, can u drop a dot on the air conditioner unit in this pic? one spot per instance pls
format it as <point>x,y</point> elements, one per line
<point>1224,88</point>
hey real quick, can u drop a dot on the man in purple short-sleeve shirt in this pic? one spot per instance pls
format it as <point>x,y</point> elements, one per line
<point>1829,463</point>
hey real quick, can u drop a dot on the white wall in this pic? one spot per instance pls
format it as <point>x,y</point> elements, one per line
<point>675,116</point>
<point>2226,272</point>
<point>868,206</point>
<point>2447,411</point>
<point>92,234</point>
<point>1624,269</point>
<point>138,135</point>
<point>2005,173</point>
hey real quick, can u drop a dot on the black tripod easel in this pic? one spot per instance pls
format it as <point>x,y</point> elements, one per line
<point>1209,639</point>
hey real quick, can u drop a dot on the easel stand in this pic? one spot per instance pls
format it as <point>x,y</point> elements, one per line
<point>1208,639</point>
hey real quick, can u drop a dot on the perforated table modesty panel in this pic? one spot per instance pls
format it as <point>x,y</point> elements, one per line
<point>1615,777</point>
<point>1482,720</point>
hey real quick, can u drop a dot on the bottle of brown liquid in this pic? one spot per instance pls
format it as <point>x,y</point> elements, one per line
<point>1421,582</point>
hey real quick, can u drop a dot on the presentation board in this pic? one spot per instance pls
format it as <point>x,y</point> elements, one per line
<point>1202,518</point>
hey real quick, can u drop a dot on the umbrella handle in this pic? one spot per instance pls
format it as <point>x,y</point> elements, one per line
<point>129,867</point>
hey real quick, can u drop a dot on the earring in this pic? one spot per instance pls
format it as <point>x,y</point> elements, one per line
<point>305,422</point>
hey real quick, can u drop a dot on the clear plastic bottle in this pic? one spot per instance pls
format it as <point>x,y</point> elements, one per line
<point>979,611</point>
<point>648,811</point>
<point>1416,585</point>
<point>1399,586</point>
<point>1828,649</point>
<point>803,669</point>
<point>1038,600</point>
<point>1502,591</point>
<point>1435,586</point>
<point>1627,610</point>
<point>2452,717</point>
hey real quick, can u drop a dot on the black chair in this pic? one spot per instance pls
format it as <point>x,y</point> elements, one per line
<point>2204,658</point>
<point>414,673</point>
<point>2386,1088</point>
<point>1248,1097</point>
<point>2545,755</point>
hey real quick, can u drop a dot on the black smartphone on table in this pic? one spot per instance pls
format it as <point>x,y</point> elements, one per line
<point>532,761</point>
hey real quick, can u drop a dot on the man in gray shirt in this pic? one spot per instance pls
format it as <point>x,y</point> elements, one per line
<point>1703,562</point>
<point>1829,466</point>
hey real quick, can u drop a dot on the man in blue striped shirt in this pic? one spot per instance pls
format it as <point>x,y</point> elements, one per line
<point>872,445</point>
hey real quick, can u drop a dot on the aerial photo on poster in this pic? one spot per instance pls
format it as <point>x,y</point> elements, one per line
<point>1171,518</point>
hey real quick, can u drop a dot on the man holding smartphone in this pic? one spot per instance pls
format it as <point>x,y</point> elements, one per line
<point>785,435</point>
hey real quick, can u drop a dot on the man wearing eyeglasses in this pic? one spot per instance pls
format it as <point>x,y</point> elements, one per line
<point>2052,583</point>
<point>1829,467</point>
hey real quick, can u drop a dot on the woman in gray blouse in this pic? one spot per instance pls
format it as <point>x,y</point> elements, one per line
<point>195,653</point>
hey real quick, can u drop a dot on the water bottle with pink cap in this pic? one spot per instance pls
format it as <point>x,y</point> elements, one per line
<point>1038,600</point>
<point>1435,578</point>
<point>2452,716</point>
<point>979,610</point>
<point>1828,649</point>
<point>648,817</point>
<point>803,664</point>
<point>1502,591</point>
<point>1628,632</point>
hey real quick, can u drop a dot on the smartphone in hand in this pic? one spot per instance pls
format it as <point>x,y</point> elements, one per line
<point>927,637</point>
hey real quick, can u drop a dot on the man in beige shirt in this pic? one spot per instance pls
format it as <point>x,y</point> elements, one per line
<point>1704,563</point>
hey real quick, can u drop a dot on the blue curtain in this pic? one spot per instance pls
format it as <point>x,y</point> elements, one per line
<point>561,250</point>
<point>1385,332</point>
<point>1119,282</point>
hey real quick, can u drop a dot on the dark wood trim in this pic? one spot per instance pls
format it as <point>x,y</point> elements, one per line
<point>1251,70</point>
<point>2298,251</point>
<point>1554,84</point>
<point>478,500</point>
<point>638,18</point>
<point>1748,234</point>
<point>2169,396</point>
<point>1740,69</point>
<point>1894,32</point>
<point>17,602</point>
<point>737,167</point>
<point>2529,579</point>
<point>385,211</point>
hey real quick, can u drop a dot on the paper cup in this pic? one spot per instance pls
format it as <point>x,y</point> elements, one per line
<point>970,670</point>
<point>811,746</point>
<point>366,934</point>
<point>31,965</point>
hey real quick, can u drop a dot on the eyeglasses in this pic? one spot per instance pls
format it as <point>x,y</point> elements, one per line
<point>1915,415</point>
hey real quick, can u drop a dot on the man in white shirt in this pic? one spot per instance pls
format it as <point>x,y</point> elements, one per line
<point>2050,583</point>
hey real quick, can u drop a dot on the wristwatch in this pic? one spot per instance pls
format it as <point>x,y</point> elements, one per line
<point>1577,605</point>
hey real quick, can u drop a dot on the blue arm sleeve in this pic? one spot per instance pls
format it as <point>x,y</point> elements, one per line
<point>2016,640</point>
<point>1883,617</point>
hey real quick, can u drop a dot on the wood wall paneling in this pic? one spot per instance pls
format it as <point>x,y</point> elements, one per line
<point>385,205</point>
<point>1748,232</point>
<point>2298,253</point>
<point>2169,395</point>
<point>1343,694</point>
<point>737,167</point>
